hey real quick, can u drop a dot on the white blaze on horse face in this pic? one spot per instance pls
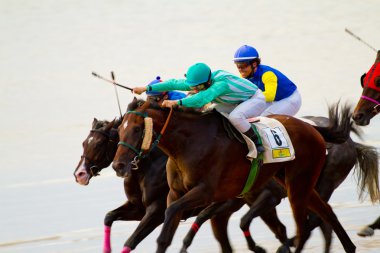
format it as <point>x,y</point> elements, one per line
<point>125,124</point>
<point>81,174</point>
<point>90,140</point>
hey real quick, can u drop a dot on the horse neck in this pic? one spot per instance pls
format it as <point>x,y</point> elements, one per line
<point>183,126</point>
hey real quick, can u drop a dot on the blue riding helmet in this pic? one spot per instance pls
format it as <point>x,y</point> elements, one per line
<point>155,93</point>
<point>172,95</point>
<point>245,53</point>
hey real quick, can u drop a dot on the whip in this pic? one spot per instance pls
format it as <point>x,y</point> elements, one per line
<point>111,81</point>
<point>359,39</point>
<point>117,95</point>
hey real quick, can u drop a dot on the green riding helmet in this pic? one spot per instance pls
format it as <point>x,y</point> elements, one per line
<point>197,74</point>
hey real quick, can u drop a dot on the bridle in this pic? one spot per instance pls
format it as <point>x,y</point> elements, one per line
<point>376,108</point>
<point>140,154</point>
<point>95,169</point>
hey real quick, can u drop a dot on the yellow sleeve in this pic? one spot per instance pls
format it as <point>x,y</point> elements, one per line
<point>270,85</point>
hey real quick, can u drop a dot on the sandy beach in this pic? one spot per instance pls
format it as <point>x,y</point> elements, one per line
<point>48,100</point>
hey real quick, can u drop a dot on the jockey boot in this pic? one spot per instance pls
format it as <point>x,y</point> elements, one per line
<point>251,134</point>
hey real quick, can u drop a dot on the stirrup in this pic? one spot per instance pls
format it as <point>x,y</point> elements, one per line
<point>260,149</point>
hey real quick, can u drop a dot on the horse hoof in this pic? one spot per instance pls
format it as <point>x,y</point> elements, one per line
<point>183,250</point>
<point>258,249</point>
<point>283,249</point>
<point>367,231</point>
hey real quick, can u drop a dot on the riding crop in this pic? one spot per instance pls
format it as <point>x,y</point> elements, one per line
<point>111,81</point>
<point>358,38</point>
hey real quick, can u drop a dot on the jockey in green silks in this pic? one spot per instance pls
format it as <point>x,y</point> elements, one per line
<point>238,97</point>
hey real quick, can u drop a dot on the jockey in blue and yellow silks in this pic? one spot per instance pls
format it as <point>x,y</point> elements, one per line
<point>280,93</point>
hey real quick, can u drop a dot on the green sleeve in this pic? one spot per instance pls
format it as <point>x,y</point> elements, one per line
<point>204,97</point>
<point>171,84</point>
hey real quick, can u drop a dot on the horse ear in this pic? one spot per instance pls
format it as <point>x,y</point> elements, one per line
<point>109,125</point>
<point>134,99</point>
<point>378,56</point>
<point>94,122</point>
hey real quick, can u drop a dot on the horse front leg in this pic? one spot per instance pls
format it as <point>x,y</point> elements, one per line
<point>126,212</point>
<point>194,198</point>
<point>218,208</point>
<point>219,227</point>
<point>202,217</point>
<point>153,217</point>
<point>264,206</point>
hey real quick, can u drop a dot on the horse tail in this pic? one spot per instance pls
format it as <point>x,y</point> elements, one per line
<point>340,124</point>
<point>367,168</point>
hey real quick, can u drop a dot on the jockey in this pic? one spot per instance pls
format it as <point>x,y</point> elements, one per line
<point>280,93</point>
<point>236,96</point>
<point>159,96</point>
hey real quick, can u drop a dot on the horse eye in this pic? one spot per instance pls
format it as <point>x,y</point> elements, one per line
<point>362,79</point>
<point>377,82</point>
<point>137,129</point>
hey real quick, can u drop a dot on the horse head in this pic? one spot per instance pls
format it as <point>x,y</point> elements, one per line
<point>136,134</point>
<point>369,103</point>
<point>99,148</point>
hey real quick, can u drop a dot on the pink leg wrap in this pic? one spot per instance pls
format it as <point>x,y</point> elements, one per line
<point>107,240</point>
<point>126,250</point>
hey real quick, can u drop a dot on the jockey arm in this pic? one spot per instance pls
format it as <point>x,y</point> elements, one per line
<point>270,85</point>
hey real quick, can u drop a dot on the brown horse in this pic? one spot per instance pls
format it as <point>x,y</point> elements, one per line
<point>369,103</point>
<point>340,160</point>
<point>367,107</point>
<point>146,187</point>
<point>202,173</point>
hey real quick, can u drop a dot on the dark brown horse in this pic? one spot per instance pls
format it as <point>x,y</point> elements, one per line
<point>146,188</point>
<point>340,160</point>
<point>367,107</point>
<point>369,103</point>
<point>143,188</point>
<point>202,173</point>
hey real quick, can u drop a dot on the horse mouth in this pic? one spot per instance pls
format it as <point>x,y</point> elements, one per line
<point>83,180</point>
<point>362,122</point>
<point>122,170</point>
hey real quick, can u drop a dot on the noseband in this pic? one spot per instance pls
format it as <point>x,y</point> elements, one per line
<point>376,108</point>
<point>140,153</point>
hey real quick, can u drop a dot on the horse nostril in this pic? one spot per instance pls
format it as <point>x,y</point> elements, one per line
<point>357,116</point>
<point>81,174</point>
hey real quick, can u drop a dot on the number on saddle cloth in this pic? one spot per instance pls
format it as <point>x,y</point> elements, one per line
<point>275,140</point>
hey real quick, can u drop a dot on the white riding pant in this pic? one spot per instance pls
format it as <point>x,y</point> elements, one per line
<point>287,106</point>
<point>238,114</point>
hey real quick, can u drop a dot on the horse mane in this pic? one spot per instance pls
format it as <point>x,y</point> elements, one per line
<point>100,124</point>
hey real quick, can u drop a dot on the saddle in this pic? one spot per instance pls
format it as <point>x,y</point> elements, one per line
<point>273,135</point>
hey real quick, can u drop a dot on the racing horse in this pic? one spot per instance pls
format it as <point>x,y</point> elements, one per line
<point>146,187</point>
<point>369,104</point>
<point>200,172</point>
<point>142,188</point>
<point>341,159</point>
<point>367,107</point>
